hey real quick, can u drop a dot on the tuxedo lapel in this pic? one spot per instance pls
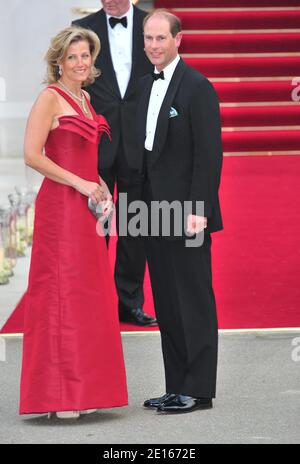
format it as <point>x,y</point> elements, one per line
<point>163,117</point>
<point>105,60</point>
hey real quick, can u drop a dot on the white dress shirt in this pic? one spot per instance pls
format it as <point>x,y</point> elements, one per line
<point>120,43</point>
<point>158,93</point>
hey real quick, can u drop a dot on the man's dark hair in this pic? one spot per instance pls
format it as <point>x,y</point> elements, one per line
<point>174,21</point>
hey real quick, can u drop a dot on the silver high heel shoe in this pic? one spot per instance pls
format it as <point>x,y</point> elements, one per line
<point>65,414</point>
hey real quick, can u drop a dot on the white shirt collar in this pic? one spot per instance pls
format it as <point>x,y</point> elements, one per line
<point>169,70</point>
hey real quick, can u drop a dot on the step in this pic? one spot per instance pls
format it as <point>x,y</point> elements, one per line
<point>240,43</point>
<point>224,3</point>
<point>254,116</point>
<point>246,66</point>
<point>239,19</point>
<point>257,141</point>
<point>257,91</point>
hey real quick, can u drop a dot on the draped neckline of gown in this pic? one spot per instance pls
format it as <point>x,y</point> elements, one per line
<point>75,106</point>
<point>87,127</point>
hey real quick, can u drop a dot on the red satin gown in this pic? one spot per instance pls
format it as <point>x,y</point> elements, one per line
<point>72,351</point>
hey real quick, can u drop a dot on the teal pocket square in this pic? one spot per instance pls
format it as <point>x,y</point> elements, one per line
<point>173,112</point>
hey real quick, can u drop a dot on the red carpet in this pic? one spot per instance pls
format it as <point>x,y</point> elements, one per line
<point>244,19</point>
<point>248,55</point>
<point>241,43</point>
<point>224,3</point>
<point>261,141</point>
<point>257,256</point>
<point>262,116</point>
<point>248,91</point>
<point>269,66</point>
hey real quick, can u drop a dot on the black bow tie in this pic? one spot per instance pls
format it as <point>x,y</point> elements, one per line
<point>157,76</point>
<point>113,21</point>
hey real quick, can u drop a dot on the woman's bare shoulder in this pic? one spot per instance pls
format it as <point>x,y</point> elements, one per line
<point>46,102</point>
<point>47,96</point>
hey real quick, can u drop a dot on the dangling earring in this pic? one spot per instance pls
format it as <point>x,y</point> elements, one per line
<point>60,71</point>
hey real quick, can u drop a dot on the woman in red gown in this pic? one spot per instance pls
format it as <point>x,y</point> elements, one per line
<point>72,352</point>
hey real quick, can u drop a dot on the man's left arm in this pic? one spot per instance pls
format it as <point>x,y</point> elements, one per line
<point>207,145</point>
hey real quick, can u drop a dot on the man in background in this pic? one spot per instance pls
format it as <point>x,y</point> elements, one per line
<point>122,61</point>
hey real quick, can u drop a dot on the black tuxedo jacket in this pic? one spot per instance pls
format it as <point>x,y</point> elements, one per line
<point>186,160</point>
<point>105,95</point>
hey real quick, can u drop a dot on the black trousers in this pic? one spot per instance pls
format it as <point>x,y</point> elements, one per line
<point>130,254</point>
<point>181,280</point>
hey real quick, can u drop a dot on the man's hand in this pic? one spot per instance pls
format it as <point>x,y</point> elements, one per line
<point>196,224</point>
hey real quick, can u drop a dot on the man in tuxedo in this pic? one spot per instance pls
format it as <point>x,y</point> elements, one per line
<point>122,61</point>
<point>179,138</point>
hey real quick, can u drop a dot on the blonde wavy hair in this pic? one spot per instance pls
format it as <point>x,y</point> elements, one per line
<point>58,49</point>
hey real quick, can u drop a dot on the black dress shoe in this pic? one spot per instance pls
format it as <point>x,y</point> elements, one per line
<point>156,402</point>
<point>136,316</point>
<point>181,404</point>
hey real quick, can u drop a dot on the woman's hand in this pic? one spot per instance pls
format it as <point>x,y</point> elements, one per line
<point>91,189</point>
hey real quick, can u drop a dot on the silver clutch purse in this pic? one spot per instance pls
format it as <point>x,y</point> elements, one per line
<point>96,209</point>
